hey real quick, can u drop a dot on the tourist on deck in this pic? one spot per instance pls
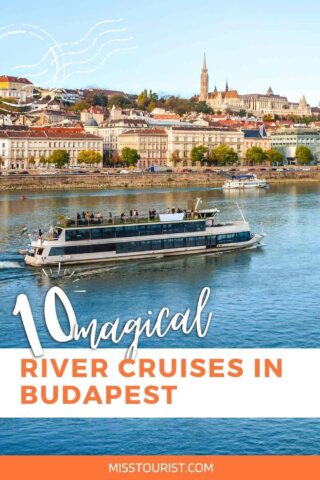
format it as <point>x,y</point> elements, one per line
<point>99,217</point>
<point>78,218</point>
<point>110,217</point>
<point>131,213</point>
<point>87,217</point>
<point>173,210</point>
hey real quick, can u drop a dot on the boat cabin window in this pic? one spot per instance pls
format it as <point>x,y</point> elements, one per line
<point>39,251</point>
<point>78,234</point>
<point>208,241</point>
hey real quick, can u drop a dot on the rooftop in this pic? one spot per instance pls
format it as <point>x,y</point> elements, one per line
<point>8,78</point>
<point>41,132</point>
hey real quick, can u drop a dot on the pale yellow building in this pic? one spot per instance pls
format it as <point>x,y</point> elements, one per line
<point>17,147</point>
<point>150,143</point>
<point>183,139</point>
<point>14,87</point>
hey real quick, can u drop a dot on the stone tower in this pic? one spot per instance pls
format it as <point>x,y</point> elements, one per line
<point>204,82</point>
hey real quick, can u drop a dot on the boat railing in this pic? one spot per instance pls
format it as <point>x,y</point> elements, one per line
<point>121,219</point>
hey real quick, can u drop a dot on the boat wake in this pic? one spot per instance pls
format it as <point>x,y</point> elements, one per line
<point>9,264</point>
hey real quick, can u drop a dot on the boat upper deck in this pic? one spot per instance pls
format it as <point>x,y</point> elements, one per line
<point>93,220</point>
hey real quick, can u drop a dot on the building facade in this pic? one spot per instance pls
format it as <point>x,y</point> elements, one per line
<point>181,140</point>
<point>110,131</point>
<point>15,87</point>
<point>271,104</point>
<point>287,140</point>
<point>18,147</point>
<point>97,113</point>
<point>150,143</point>
<point>255,137</point>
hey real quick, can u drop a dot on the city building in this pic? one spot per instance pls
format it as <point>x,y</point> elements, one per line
<point>271,104</point>
<point>17,147</point>
<point>68,95</point>
<point>14,87</point>
<point>97,113</point>
<point>287,140</point>
<point>48,117</point>
<point>110,131</point>
<point>253,103</point>
<point>150,143</point>
<point>182,139</point>
<point>256,137</point>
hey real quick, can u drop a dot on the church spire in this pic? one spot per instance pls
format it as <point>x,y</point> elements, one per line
<point>204,88</point>
<point>204,66</point>
<point>227,86</point>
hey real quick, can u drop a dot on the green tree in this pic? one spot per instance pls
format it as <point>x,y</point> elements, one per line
<point>90,157</point>
<point>145,98</point>
<point>43,160</point>
<point>114,159</point>
<point>175,157</point>
<point>198,154</point>
<point>152,105</point>
<point>201,107</point>
<point>79,106</point>
<point>119,101</point>
<point>242,113</point>
<point>303,155</point>
<point>32,160</point>
<point>255,155</point>
<point>129,156</point>
<point>100,100</point>
<point>223,155</point>
<point>267,118</point>
<point>59,158</point>
<point>274,156</point>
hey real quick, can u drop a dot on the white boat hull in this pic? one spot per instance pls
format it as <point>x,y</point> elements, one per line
<point>77,259</point>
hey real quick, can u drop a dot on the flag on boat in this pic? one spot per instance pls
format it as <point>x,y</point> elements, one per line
<point>24,230</point>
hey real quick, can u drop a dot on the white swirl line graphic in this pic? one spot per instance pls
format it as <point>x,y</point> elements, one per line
<point>57,68</point>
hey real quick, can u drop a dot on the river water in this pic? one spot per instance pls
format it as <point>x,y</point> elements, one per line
<point>266,297</point>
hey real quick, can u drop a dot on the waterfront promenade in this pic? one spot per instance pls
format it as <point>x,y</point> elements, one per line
<point>142,180</point>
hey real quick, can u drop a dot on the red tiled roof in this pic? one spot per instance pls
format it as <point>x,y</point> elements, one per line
<point>63,133</point>
<point>147,131</point>
<point>7,78</point>
<point>166,116</point>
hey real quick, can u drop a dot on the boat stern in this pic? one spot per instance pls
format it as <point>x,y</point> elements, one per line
<point>32,260</point>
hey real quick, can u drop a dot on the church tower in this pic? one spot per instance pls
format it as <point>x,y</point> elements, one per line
<point>204,82</point>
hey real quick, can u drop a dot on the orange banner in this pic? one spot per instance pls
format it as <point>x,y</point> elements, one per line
<point>159,467</point>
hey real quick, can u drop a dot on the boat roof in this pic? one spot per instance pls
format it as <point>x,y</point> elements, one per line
<point>239,177</point>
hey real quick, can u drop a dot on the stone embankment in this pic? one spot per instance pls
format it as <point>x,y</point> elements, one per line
<point>140,180</point>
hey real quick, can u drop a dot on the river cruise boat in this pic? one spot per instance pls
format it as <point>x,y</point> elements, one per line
<point>139,237</point>
<point>245,181</point>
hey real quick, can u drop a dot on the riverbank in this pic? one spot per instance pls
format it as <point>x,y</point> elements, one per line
<point>132,181</point>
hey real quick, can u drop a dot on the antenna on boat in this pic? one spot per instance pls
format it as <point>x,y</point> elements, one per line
<point>241,212</point>
<point>199,200</point>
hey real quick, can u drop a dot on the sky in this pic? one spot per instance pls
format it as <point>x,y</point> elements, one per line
<point>130,45</point>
